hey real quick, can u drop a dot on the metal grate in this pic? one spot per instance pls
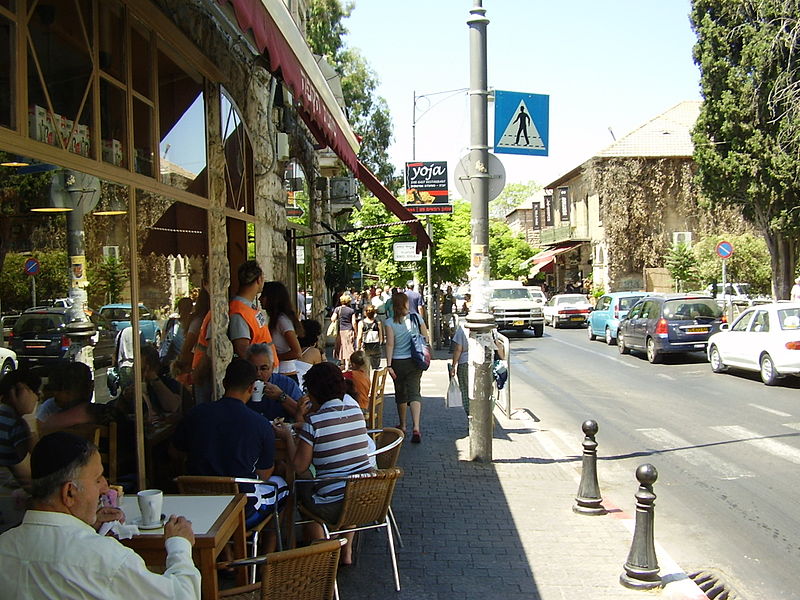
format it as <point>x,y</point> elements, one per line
<point>714,585</point>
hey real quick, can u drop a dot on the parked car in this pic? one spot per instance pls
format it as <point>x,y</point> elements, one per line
<point>536,294</point>
<point>567,309</point>
<point>765,338</point>
<point>39,337</point>
<point>513,307</point>
<point>610,309</point>
<point>119,315</point>
<point>670,324</point>
<point>6,324</point>
<point>8,361</point>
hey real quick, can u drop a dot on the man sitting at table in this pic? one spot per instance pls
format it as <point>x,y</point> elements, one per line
<point>281,396</point>
<point>226,439</point>
<point>56,553</point>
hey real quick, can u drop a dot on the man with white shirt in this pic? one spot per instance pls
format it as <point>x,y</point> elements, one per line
<point>56,553</point>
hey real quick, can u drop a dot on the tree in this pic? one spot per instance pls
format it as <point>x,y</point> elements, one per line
<point>507,252</point>
<point>107,280</point>
<point>749,263</point>
<point>512,196</point>
<point>52,281</point>
<point>746,143</point>
<point>367,112</point>
<point>682,265</point>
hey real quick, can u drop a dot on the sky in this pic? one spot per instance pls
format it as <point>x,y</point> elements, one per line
<point>612,64</point>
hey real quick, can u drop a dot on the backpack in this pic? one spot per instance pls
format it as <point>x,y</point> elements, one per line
<point>371,335</point>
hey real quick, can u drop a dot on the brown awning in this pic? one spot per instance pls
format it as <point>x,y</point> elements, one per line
<point>317,107</point>
<point>182,229</point>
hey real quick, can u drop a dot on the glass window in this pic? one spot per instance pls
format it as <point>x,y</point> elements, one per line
<point>692,308</point>
<point>111,25</point>
<point>142,137</point>
<point>628,301</point>
<point>114,124</point>
<point>238,158</point>
<point>141,59</point>
<point>760,322</point>
<point>7,72</point>
<point>789,318</point>
<point>742,322</point>
<point>511,294</point>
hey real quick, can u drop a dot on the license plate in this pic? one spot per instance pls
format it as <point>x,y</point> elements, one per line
<point>518,323</point>
<point>578,318</point>
<point>697,330</point>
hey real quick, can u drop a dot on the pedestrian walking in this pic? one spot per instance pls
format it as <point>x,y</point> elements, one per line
<point>460,364</point>
<point>345,341</point>
<point>402,369</point>
<point>370,336</point>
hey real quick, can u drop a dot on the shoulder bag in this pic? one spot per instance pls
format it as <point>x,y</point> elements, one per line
<point>420,349</point>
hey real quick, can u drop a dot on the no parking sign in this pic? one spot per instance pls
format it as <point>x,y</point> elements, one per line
<point>724,249</point>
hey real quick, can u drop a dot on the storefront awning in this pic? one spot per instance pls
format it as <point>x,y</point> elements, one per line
<point>275,32</point>
<point>539,262</point>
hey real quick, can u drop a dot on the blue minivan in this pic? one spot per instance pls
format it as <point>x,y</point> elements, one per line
<point>608,312</point>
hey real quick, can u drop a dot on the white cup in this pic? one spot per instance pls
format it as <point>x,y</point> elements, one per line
<point>150,502</point>
<point>258,391</point>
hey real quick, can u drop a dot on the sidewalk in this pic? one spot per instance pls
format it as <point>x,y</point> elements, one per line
<point>501,530</point>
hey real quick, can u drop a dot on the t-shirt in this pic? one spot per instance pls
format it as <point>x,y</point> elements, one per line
<point>272,408</point>
<point>338,435</point>
<point>460,338</point>
<point>47,409</point>
<point>345,317</point>
<point>238,327</point>
<point>414,301</point>
<point>283,325</point>
<point>370,331</point>
<point>13,434</point>
<point>362,385</point>
<point>402,337</point>
<point>448,304</point>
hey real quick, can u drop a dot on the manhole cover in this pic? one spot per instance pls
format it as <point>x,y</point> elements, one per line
<point>714,585</point>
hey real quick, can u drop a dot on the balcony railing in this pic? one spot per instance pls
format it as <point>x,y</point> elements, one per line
<point>564,233</point>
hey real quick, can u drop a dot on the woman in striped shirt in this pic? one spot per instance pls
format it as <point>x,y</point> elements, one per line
<point>335,442</point>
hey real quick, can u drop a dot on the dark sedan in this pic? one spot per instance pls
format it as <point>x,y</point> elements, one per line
<point>669,324</point>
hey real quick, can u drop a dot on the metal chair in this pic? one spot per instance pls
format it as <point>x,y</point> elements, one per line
<point>300,574</point>
<point>367,498</point>
<point>388,442</point>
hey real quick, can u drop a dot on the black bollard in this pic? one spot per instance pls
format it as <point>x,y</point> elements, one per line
<point>641,568</point>
<point>588,500</point>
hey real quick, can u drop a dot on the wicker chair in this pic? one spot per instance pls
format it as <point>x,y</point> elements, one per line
<point>374,415</point>
<point>367,498</point>
<point>301,574</point>
<point>388,442</point>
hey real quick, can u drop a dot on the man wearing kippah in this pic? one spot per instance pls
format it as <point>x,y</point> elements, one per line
<point>56,553</point>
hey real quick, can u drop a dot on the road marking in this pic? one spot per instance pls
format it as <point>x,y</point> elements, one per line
<point>698,457</point>
<point>795,426</point>
<point>616,360</point>
<point>770,410</point>
<point>665,376</point>
<point>778,449</point>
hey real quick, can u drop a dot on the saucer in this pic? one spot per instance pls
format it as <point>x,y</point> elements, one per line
<point>138,522</point>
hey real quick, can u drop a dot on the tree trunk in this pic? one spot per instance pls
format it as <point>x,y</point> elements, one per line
<point>783,259</point>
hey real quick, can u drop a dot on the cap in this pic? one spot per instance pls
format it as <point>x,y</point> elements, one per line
<point>55,451</point>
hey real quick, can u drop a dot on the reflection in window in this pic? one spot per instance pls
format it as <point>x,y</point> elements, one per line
<point>238,158</point>
<point>7,72</point>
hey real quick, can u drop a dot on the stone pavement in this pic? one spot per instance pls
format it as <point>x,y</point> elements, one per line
<point>500,530</point>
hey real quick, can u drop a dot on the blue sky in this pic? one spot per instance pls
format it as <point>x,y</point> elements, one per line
<point>616,63</point>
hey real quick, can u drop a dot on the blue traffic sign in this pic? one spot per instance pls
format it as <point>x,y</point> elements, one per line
<point>521,123</point>
<point>31,266</point>
<point>724,249</point>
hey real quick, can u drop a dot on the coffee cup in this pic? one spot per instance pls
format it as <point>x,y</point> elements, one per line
<point>150,503</point>
<point>258,391</point>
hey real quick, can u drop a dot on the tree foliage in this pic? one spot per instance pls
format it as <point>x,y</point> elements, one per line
<point>749,263</point>
<point>107,280</point>
<point>682,266</point>
<point>747,145</point>
<point>507,251</point>
<point>52,281</point>
<point>512,196</point>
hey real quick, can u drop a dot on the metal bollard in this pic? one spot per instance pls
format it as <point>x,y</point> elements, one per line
<point>641,568</point>
<point>588,500</point>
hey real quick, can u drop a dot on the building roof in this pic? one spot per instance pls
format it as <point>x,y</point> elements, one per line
<point>668,134</point>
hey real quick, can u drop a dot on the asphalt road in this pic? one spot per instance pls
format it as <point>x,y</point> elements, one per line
<point>727,450</point>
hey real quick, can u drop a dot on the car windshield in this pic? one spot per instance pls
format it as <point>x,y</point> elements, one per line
<point>537,296</point>
<point>789,318</point>
<point>510,294</point>
<point>572,299</point>
<point>38,323</point>
<point>116,314</point>
<point>691,308</point>
<point>628,302</point>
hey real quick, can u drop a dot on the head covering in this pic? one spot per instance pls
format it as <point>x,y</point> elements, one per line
<point>55,451</point>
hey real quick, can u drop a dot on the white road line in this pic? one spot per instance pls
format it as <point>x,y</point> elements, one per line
<point>770,410</point>
<point>778,449</point>
<point>600,354</point>
<point>699,457</point>
<point>795,426</point>
<point>665,376</point>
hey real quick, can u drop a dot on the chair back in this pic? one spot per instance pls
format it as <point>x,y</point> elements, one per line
<point>302,574</point>
<point>105,438</point>
<point>206,485</point>
<point>388,442</point>
<point>375,408</point>
<point>367,497</point>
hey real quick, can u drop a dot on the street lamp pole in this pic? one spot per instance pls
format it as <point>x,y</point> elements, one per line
<point>480,321</point>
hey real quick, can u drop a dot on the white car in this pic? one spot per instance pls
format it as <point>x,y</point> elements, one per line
<point>567,309</point>
<point>765,338</point>
<point>8,361</point>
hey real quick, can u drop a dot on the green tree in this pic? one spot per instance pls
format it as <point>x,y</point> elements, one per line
<point>746,142</point>
<point>749,263</point>
<point>682,266</point>
<point>512,196</point>
<point>51,282</point>
<point>107,280</point>
<point>507,251</point>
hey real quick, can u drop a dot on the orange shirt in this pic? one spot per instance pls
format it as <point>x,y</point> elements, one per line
<point>258,324</point>
<point>362,385</point>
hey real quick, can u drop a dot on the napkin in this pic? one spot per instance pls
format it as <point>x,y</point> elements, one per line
<point>122,531</point>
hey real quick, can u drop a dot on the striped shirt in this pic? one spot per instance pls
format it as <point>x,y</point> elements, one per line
<point>13,434</point>
<point>338,436</point>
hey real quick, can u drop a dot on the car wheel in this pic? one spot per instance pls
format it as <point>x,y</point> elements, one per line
<point>7,367</point>
<point>623,349</point>
<point>768,373</point>
<point>538,330</point>
<point>592,336</point>
<point>653,355</point>
<point>717,366</point>
<point>609,337</point>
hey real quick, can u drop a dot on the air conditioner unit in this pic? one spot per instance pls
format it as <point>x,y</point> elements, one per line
<point>682,237</point>
<point>111,252</point>
<point>282,146</point>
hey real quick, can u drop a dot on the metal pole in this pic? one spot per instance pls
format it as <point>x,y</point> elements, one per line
<point>431,329</point>
<point>480,321</point>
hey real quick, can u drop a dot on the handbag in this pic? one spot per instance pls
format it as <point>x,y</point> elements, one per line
<point>453,398</point>
<point>333,328</point>
<point>420,349</point>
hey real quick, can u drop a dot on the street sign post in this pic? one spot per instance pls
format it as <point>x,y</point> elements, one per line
<point>521,123</point>
<point>32,268</point>
<point>724,250</point>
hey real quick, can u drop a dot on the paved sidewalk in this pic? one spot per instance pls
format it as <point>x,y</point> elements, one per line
<point>500,530</point>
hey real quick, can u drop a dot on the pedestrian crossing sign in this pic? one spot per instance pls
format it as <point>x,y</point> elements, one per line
<point>521,123</point>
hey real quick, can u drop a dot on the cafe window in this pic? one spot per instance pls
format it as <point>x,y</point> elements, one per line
<point>238,157</point>
<point>7,71</point>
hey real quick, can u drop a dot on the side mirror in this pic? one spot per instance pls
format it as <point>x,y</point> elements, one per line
<point>724,327</point>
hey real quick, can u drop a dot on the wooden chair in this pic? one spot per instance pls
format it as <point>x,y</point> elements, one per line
<point>367,498</point>
<point>375,408</point>
<point>213,486</point>
<point>105,438</point>
<point>300,574</point>
<point>388,442</point>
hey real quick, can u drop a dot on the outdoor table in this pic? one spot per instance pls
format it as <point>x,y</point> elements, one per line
<point>215,521</point>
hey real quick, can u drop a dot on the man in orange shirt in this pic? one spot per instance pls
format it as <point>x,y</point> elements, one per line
<point>248,325</point>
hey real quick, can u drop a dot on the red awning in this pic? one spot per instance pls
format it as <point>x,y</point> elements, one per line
<point>549,256</point>
<point>253,15</point>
